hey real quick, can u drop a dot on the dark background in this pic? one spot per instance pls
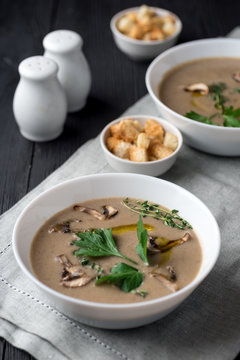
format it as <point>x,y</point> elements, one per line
<point>117,81</point>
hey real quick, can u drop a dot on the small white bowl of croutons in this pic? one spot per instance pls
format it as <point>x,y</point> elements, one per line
<point>141,144</point>
<point>144,32</point>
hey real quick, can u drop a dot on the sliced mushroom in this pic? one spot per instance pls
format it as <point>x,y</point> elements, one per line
<point>73,275</point>
<point>76,282</point>
<point>60,228</point>
<point>72,272</point>
<point>64,261</point>
<point>236,76</point>
<point>109,211</point>
<point>199,88</point>
<point>176,242</point>
<point>153,247</point>
<point>172,272</point>
<point>89,211</point>
<point>169,284</point>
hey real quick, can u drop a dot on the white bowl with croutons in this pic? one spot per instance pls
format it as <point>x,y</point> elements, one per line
<point>144,32</point>
<point>141,144</point>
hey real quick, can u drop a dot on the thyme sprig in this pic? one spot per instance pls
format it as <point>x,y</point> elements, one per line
<point>169,217</point>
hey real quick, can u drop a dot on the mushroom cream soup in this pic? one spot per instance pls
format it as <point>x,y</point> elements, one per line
<point>205,90</point>
<point>149,253</point>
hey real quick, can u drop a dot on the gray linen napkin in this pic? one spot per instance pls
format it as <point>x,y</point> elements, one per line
<point>205,326</point>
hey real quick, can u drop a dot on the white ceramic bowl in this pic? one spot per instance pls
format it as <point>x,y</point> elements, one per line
<point>142,49</point>
<point>153,168</point>
<point>212,139</point>
<point>117,316</point>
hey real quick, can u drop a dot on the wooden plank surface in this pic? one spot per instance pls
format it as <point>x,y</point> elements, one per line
<point>117,81</point>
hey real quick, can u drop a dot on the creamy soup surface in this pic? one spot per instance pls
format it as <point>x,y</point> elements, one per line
<point>185,259</point>
<point>207,71</point>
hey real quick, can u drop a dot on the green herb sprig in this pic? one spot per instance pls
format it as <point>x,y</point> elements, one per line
<point>98,243</point>
<point>141,248</point>
<point>200,118</point>
<point>231,116</point>
<point>215,91</point>
<point>169,217</point>
<point>125,276</point>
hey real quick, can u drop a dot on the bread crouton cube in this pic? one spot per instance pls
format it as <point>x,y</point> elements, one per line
<point>115,130</point>
<point>143,141</point>
<point>137,125</point>
<point>111,142</point>
<point>152,158</point>
<point>160,151</point>
<point>138,154</point>
<point>170,141</point>
<point>154,129</point>
<point>127,130</point>
<point>118,147</point>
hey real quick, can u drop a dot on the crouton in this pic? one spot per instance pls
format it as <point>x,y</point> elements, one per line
<point>115,130</point>
<point>153,142</point>
<point>111,142</point>
<point>137,125</point>
<point>156,34</point>
<point>127,130</point>
<point>170,141</point>
<point>143,141</point>
<point>125,24</point>
<point>160,151</point>
<point>136,32</point>
<point>152,158</point>
<point>118,147</point>
<point>138,154</point>
<point>154,129</point>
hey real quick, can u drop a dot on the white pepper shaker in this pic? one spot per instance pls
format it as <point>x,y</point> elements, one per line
<point>65,47</point>
<point>39,103</point>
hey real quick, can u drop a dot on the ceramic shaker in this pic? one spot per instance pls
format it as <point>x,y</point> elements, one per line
<point>39,103</point>
<point>65,47</point>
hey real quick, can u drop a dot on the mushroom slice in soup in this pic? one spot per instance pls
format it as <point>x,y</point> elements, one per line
<point>76,282</point>
<point>89,211</point>
<point>152,247</point>
<point>157,244</point>
<point>60,228</point>
<point>109,211</point>
<point>172,272</point>
<point>199,88</point>
<point>166,282</point>
<point>73,275</point>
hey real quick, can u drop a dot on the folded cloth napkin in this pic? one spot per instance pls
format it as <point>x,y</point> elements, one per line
<point>205,326</point>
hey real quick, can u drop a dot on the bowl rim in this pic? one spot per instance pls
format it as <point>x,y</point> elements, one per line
<point>146,303</point>
<point>171,51</point>
<point>116,32</point>
<point>126,161</point>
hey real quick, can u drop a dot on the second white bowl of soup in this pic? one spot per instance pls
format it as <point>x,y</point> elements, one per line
<point>196,86</point>
<point>113,278</point>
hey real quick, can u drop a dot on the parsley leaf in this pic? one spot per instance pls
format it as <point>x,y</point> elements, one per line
<point>125,276</point>
<point>141,248</point>
<point>216,90</point>
<point>97,243</point>
<point>197,117</point>
<point>230,116</point>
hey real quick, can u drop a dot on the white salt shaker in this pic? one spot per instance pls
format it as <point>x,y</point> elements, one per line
<point>39,103</point>
<point>65,47</point>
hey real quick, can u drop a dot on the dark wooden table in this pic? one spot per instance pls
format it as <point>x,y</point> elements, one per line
<point>117,81</point>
